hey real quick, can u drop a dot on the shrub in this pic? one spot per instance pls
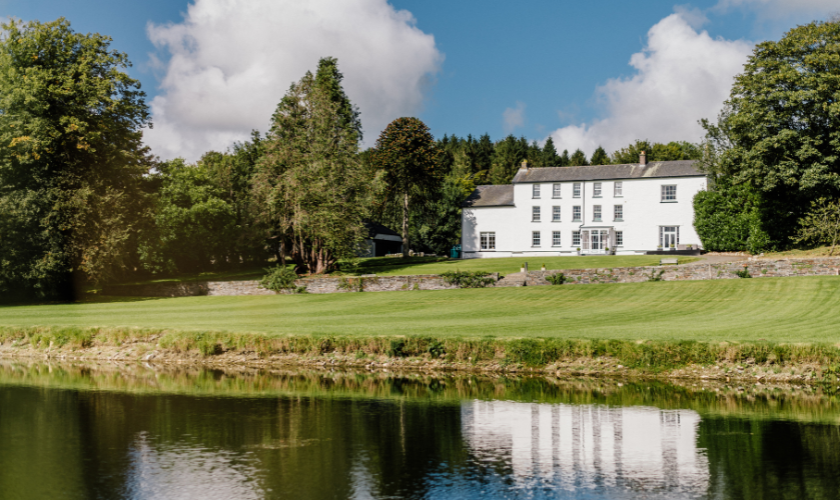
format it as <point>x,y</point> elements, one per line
<point>279,278</point>
<point>656,277</point>
<point>467,279</point>
<point>743,273</point>
<point>556,279</point>
<point>397,349</point>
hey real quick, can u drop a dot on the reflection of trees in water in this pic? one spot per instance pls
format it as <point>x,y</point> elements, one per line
<point>754,459</point>
<point>94,443</point>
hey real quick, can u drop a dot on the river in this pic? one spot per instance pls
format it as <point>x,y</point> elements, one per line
<point>151,432</point>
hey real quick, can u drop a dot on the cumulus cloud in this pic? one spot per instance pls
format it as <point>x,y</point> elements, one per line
<point>682,75</point>
<point>781,8</point>
<point>514,117</point>
<point>231,61</point>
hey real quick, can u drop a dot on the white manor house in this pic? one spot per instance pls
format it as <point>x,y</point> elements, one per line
<point>549,211</point>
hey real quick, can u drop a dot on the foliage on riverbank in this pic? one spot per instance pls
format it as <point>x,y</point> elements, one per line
<point>480,353</point>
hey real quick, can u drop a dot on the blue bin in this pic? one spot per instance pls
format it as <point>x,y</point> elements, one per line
<point>455,253</point>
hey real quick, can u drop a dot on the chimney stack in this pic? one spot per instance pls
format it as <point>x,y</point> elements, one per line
<point>524,165</point>
<point>643,158</point>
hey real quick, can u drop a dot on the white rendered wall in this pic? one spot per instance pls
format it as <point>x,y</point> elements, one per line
<point>644,213</point>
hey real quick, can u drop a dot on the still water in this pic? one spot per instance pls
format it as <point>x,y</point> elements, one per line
<point>145,432</point>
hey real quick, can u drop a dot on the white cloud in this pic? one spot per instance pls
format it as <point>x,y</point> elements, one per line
<point>233,60</point>
<point>681,76</point>
<point>514,117</point>
<point>782,8</point>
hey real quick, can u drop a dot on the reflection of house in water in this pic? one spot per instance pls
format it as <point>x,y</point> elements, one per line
<point>590,446</point>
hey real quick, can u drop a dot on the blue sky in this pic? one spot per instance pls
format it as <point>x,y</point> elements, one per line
<point>534,68</point>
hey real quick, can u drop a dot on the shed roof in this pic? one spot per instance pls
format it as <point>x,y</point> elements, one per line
<point>654,169</point>
<point>491,196</point>
<point>375,230</point>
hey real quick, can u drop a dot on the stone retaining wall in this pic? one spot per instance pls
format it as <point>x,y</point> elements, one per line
<point>327,284</point>
<point>757,269</point>
<point>823,266</point>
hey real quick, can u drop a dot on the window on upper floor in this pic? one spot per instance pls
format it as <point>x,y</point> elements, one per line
<point>618,188</point>
<point>535,214</point>
<point>576,190</point>
<point>488,241</point>
<point>596,213</point>
<point>669,192</point>
<point>555,214</point>
<point>576,213</point>
<point>555,191</point>
<point>535,190</point>
<point>596,189</point>
<point>618,213</point>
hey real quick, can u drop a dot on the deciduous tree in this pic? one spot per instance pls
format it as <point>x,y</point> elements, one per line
<point>72,161</point>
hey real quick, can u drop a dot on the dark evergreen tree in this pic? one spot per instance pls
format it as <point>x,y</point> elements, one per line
<point>328,79</point>
<point>578,159</point>
<point>549,153</point>
<point>484,153</point>
<point>600,157</point>
<point>564,160</point>
<point>507,158</point>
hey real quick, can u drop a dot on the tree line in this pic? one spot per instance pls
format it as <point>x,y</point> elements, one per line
<point>84,201</point>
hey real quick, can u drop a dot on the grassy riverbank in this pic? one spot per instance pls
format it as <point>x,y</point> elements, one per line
<point>771,323</point>
<point>802,309</point>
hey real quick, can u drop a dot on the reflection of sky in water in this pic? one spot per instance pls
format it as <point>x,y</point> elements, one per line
<point>522,450</point>
<point>184,471</point>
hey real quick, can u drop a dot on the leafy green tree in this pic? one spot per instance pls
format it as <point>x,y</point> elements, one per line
<point>194,224</point>
<point>728,218</point>
<point>72,165</point>
<point>549,154</point>
<point>675,150</point>
<point>410,163</point>
<point>782,126</point>
<point>440,223</point>
<point>310,189</point>
<point>821,225</point>
<point>600,157</point>
<point>578,159</point>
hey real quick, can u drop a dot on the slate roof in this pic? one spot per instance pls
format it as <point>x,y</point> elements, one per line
<point>375,230</point>
<point>491,196</point>
<point>654,169</point>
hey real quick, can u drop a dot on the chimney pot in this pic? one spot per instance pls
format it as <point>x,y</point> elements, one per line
<point>524,165</point>
<point>642,158</point>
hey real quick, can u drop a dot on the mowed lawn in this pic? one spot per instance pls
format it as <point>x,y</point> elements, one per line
<point>803,309</point>
<point>382,266</point>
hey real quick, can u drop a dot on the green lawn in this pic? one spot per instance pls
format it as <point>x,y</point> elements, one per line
<point>800,309</point>
<point>387,266</point>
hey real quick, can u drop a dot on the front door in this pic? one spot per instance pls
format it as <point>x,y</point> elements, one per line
<point>669,236</point>
<point>600,239</point>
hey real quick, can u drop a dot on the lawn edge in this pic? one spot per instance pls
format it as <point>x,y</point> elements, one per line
<point>756,362</point>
